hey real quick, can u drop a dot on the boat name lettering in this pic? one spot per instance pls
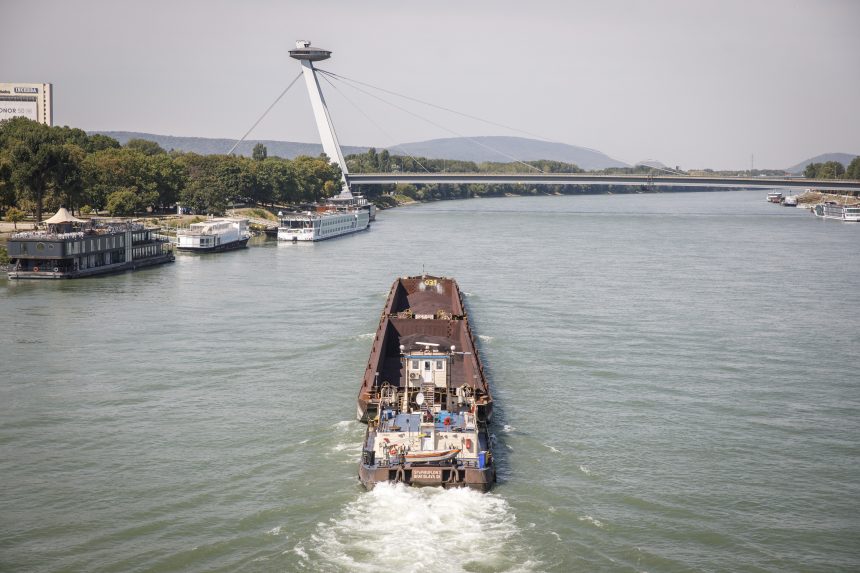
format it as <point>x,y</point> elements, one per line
<point>26,90</point>
<point>426,474</point>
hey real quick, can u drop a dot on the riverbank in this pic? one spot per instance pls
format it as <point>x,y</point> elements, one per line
<point>811,198</point>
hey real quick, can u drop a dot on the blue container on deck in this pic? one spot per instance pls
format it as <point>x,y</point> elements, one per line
<point>482,460</point>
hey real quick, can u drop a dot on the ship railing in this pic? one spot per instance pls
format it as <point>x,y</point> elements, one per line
<point>470,464</point>
<point>46,236</point>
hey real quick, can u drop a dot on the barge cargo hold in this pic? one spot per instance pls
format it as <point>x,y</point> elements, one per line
<point>424,397</point>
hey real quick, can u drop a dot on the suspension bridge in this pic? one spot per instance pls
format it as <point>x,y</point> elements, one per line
<point>307,55</point>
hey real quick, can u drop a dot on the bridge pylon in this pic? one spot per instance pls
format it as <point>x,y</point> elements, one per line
<point>307,55</point>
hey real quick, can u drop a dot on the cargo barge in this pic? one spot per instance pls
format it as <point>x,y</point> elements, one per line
<point>424,397</point>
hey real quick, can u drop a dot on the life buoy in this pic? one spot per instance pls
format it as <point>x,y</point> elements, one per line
<point>392,451</point>
<point>35,269</point>
<point>56,269</point>
<point>468,444</point>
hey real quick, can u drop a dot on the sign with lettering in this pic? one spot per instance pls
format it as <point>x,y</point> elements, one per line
<point>428,474</point>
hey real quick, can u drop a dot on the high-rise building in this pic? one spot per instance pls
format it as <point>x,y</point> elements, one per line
<point>33,101</point>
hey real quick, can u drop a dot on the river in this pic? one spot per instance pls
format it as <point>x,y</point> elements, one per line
<point>676,384</point>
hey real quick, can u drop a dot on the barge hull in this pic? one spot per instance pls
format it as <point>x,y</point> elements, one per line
<point>424,396</point>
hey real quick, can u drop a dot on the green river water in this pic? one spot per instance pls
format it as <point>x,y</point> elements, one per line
<point>675,375</point>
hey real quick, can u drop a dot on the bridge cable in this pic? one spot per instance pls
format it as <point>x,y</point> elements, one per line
<point>370,119</point>
<point>454,111</point>
<point>268,109</point>
<point>667,169</point>
<point>476,142</point>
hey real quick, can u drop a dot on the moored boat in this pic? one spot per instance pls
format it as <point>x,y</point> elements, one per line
<point>325,222</point>
<point>424,397</point>
<point>340,215</point>
<point>213,236</point>
<point>774,197</point>
<point>833,210</point>
<point>71,248</point>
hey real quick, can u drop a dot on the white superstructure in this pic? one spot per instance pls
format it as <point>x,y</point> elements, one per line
<point>321,225</point>
<point>841,212</point>
<point>214,235</point>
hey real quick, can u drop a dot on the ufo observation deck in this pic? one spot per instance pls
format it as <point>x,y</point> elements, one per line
<point>304,51</point>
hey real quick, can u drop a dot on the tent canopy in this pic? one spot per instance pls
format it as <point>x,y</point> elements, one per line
<point>63,216</point>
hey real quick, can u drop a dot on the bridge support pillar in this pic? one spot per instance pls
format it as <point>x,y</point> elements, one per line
<point>307,55</point>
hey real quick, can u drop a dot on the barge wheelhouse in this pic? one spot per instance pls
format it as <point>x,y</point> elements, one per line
<point>424,397</point>
<point>72,248</point>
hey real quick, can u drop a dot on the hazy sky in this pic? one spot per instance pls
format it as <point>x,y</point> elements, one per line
<point>690,83</point>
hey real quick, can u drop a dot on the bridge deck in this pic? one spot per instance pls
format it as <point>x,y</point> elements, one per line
<point>591,179</point>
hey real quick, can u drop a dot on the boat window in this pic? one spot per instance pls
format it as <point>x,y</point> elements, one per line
<point>415,365</point>
<point>426,365</point>
<point>438,365</point>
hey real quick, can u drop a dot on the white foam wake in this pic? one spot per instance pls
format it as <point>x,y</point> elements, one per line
<point>395,528</point>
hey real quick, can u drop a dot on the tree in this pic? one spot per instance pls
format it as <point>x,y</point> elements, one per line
<point>129,201</point>
<point>69,177</point>
<point>853,169</point>
<point>260,152</point>
<point>144,146</point>
<point>7,190</point>
<point>158,177</point>
<point>35,153</point>
<point>98,142</point>
<point>811,170</point>
<point>14,215</point>
<point>831,170</point>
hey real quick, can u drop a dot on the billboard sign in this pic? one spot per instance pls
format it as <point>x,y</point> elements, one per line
<point>18,106</point>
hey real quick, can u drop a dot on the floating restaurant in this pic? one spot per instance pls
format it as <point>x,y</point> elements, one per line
<point>70,248</point>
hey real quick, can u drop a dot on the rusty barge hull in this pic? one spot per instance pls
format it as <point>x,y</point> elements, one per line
<point>424,392</point>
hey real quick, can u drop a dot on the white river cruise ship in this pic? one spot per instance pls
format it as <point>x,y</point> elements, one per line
<point>326,222</point>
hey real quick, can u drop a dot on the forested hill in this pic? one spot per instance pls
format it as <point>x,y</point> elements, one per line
<point>843,158</point>
<point>210,146</point>
<point>477,149</point>
<point>505,149</point>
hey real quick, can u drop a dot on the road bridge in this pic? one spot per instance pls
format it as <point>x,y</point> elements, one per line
<point>592,179</point>
<point>307,55</point>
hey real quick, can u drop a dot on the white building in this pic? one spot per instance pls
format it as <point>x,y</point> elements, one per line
<point>33,101</point>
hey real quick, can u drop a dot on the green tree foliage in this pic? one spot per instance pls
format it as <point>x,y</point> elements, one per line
<point>7,190</point>
<point>129,201</point>
<point>98,142</point>
<point>144,146</point>
<point>260,152</point>
<point>826,170</point>
<point>14,215</point>
<point>38,158</point>
<point>853,169</point>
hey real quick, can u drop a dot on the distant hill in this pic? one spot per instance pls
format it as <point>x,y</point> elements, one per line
<point>502,149</point>
<point>207,146</point>
<point>487,148</point>
<point>843,158</point>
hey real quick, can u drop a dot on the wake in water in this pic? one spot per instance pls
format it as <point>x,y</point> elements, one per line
<point>396,528</point>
